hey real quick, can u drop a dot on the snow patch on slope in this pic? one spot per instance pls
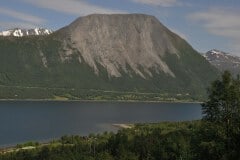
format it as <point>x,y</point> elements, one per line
<point>25,32</point>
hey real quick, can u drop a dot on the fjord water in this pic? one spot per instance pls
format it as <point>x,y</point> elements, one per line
<point>23,121</point>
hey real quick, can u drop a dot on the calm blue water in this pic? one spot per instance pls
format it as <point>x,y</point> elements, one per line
<point>40,121</point>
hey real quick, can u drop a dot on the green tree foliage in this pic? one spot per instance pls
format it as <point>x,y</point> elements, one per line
<point>165,141</point>
<point>223,105</point>
<point>221,120</point>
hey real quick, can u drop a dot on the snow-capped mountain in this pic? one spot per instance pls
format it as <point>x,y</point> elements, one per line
<point>25,32</point>
<point>224,61</point>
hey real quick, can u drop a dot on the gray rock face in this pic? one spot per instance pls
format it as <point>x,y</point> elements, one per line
<point>224,61</point>
<point>120,42</point>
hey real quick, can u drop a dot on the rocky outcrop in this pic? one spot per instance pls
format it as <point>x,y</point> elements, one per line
<point>119,42</point>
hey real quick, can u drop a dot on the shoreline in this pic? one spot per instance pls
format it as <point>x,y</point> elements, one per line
<point>13,147</point>
<point>100,101</point>
<point>123,125</point>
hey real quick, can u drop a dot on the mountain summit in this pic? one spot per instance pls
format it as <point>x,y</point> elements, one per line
<point>119,42</point>
<point>122,52</point>
<point>224,61</point>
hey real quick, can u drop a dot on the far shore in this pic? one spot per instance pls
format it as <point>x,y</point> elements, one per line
<point>121,101</point>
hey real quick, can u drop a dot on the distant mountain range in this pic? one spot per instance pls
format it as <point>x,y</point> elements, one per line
<point>224,61</point>
<point>122,53</point>
<point>17,32</point>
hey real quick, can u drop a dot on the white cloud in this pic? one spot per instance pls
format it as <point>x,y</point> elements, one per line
<point>221,22</point>
<point>22,16</point>
<point>163,3</point>
<point>74,7</point>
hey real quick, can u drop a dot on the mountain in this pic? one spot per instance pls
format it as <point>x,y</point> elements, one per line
<point>25,32</point>
<point>224,61</point>
<point>132,55</point>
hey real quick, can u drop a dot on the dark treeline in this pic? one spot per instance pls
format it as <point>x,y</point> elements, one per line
<point>215,137</point>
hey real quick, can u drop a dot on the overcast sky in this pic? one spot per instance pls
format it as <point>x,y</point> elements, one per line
<point>205,24</point>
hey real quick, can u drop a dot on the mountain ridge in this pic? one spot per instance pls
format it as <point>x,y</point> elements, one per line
<point>133,23</point>
<point>132,53</point>
<point>224,61</point>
